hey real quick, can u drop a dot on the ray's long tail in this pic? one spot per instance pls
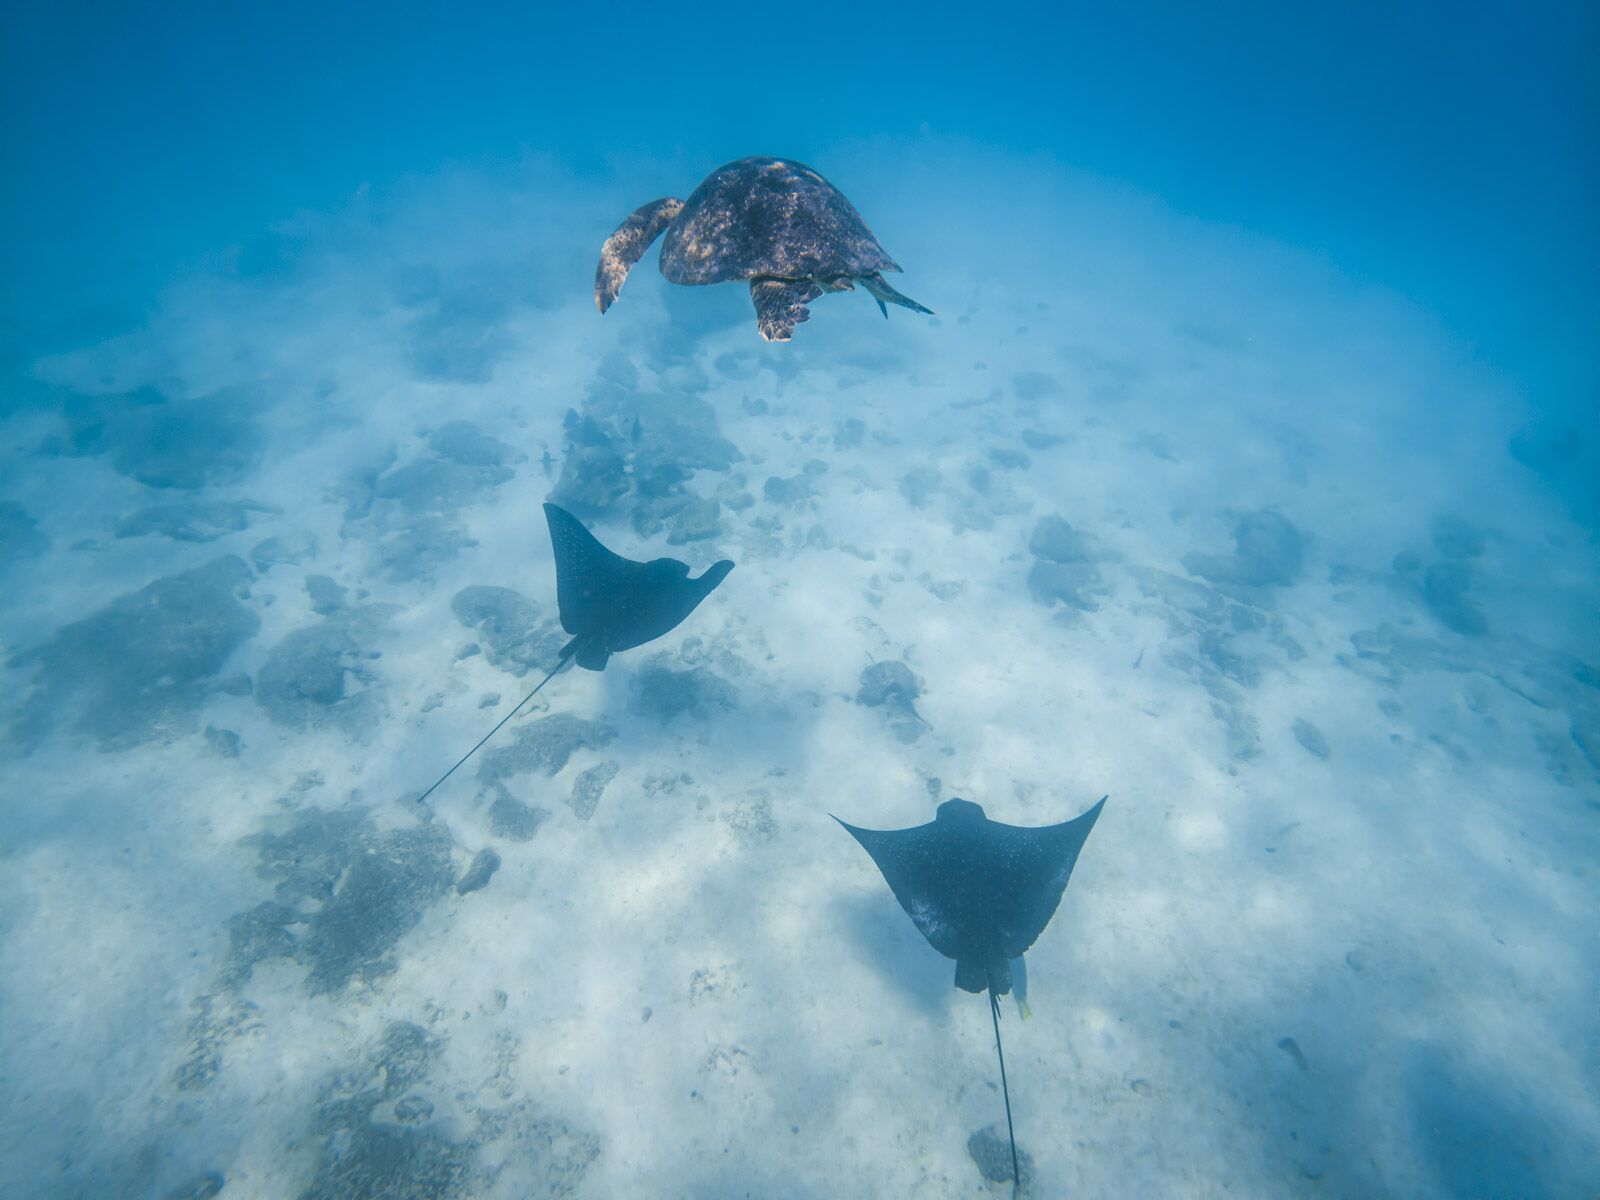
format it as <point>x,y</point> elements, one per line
<point>565,654</point>
<point>1005,1090</point>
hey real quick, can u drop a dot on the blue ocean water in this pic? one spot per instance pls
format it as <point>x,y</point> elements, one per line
<point>1245,473</point>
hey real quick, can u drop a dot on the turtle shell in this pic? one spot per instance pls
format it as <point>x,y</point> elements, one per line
<point>769,216</point>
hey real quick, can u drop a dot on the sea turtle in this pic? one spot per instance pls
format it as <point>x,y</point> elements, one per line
<point>773,221</point>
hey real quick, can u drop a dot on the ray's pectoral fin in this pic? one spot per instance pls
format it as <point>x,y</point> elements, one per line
<point>781,305</point>
<point>886,295</point>
<point>628,244</point>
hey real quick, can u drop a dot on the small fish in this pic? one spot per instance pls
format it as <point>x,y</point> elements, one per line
<point>1019,986</point>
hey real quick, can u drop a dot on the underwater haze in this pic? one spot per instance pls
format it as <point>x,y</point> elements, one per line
<point>1245,473</point>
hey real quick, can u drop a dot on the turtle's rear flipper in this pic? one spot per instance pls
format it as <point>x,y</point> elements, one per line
<point>882,292</point>
<point>781,305</point>
<point>625,247</point>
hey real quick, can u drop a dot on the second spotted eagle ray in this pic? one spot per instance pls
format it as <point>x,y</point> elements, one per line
<point>608,604</point>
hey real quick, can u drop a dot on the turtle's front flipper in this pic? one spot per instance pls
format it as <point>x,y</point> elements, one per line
<point>781,305</point>
<point>625,247</point>
<point>882,292</point>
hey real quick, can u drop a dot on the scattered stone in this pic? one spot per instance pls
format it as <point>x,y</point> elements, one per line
<point>412,1110</point>
<point>1076,585</point>
<point>162,441</point>
<point>381,1140</point>
<point>415,547</point>
<point>1035,385</point>
<point>355,892</point>
<point>1311,738</point>
<point>594,475</point>
<point>631,453</point>
<point>290,549</point>
<point>1219,651</point>
<point>697,521</point>
<point>19,533</point>
<point>463,442</point>
<point>443,486</point>
<point>259,933</point>
<point>141,667</point>
<point>920,485</point>
<point>223,742</point>
<point>686,377</point>
<point>668,785</point>
<point>307,678</point>
<point>390,882</point>
<point>1445,588</point>
<point>750,818</point>
<point>1055,541</point>
<point>197,521</point>
<point>402,1058</point>
<point>216,1022</point>
<point>460,337</point>
<point>544,745</point>
<point>510,818</point>
<point>1065,569</point>
<point>817,539</point>
<point>787,493</point>
<point>326,595</point>
<point>990,1149</point>
<point>731,494</point>
<point>1009,460</point>
<point>888,683</point>
<point>372,1161</point>
<point>849,433</point>
<point>1157,444</point>
<point>484,864</point>
<point>488,699</point>
<point>508,624</point>
<point>737,364</point>
<point>1455,537</point>
<point>1268,552</point>
<point>588,787</point>
<point>1543,446</point>
<point>892,687</point>
<point>201,1187</point>
<point>1034,440</point>
<point>663,693</point>
<point>1292,1048</point>
<point>412,512</point>
<point>237,684</point>
<point>1196,611</point>
<point>1188,600</point>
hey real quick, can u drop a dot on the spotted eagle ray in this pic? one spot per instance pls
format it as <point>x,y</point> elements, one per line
<point>608,604</point>
<point>981,892</point>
